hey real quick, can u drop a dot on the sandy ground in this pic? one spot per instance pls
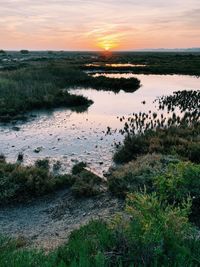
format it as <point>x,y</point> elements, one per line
<point>47,222</point>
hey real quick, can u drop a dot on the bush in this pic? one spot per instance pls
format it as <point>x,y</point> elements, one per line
<point>24,52</point>
<point>2,158</point>
<point>194,152</point>
<point>86,184</point>
<point>148,234</point>
<point>133,146</point>
<point>181,141</point>
<point>137,175</point>
<point>79,167</point>
<point>19,183</point>
<point>42,163</point>
<point>179,181</point>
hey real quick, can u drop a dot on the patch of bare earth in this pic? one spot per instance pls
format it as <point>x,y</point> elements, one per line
<point>47,222</point>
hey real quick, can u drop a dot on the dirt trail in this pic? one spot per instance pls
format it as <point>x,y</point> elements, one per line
<point>47,222</point>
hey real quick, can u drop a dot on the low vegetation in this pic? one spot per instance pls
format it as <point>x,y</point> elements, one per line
<point>159,175</point>
<point>180,141</point>
<point>171,179</point>
<point>87,184</point>
<point>20,183</point>
<point>36,87</point>
<point>173,134</point>
<point>148,233</point>
<point>153,62</point>
<point>138,174</point>
<point>44,85</point>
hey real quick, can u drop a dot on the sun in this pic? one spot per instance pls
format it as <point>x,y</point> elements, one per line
<point>107,43</point>
<point>107,47</point>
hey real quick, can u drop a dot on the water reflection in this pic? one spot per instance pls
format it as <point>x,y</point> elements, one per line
<point>70,136</point>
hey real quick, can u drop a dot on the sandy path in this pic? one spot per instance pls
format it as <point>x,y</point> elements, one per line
<point>47,222</point>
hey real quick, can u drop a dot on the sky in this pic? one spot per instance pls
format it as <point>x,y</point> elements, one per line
<point>99,24</point>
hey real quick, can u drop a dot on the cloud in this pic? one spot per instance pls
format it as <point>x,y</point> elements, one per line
<point>73,22</point>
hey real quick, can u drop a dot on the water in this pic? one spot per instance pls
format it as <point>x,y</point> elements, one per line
<point>70,137</point>
<point>115,65</point>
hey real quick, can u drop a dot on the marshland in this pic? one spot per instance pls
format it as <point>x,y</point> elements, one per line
<point>99,159</point>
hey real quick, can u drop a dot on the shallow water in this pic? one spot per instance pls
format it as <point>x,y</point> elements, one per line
<point>69,136</point>
<point>115,65</point>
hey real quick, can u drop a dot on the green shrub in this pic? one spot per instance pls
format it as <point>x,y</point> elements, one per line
<point>86,184</point>
<point>194,152</point>
<point>42,163</point>
<point>182,141</point>
<point>18,183</point>
<point>79,167</point>
<point>150,233</point>
<point>179,181</point>
<point>138,174</point>
<point>2,158</point>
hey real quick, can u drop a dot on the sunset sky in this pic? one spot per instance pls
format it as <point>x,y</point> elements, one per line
<point>94,25</point>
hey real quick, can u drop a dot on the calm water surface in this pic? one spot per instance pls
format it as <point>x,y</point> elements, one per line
<point>70,137</point>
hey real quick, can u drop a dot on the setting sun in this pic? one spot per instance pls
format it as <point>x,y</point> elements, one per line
<point>107,47</point>
<point>106,40</point>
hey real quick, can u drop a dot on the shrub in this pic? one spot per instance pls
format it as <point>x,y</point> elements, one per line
<point>86,184</point>
<point>25,52</point>
<point>79,167</point>
<point>179,181</point>
<point>42,163</point>
<point>2,158</point>
<point>182,141</point>
<point>19,183</point>
<point>133,146</point>
<point>194,152</point>
<point>150,233</point>
<point>136,175</point>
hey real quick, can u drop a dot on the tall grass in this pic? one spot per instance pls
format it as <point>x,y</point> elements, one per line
<point>43,85</point>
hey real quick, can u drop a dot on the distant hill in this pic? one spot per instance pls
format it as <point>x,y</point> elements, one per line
<point>194,49</point>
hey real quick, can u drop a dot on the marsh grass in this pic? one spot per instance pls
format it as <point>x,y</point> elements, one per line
<point>171,134</point>
<point>154,62</point>
<point>42,85</point>
<point>35,87</point>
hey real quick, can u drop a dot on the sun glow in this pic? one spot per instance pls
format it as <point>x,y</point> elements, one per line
<point>107,43</point>
<point>107,37</point>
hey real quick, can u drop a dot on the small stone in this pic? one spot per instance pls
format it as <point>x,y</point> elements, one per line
<point>38,149</point>
<point>15,128</point>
